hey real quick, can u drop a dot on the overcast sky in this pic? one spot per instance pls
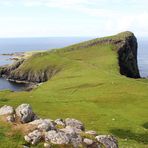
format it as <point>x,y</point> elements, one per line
<point>37,18</point>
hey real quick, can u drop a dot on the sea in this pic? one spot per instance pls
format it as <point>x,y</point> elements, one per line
<point>14,45</point>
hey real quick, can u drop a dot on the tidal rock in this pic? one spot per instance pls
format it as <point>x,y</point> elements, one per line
<point>6,110</point>
<point>88,141</point>
<point>74,123</point>
<point>108,141</point>
<point>25,114</point>
<point>56,137</point>
<point>33,137</point>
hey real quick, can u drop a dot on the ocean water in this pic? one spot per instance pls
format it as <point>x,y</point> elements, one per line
<point>13,45</point>
<point>143,56</point>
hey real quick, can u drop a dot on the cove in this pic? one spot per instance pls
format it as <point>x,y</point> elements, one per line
<point>7,85</point>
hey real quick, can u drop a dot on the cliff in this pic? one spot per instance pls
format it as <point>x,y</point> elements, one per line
<point>39,68</point>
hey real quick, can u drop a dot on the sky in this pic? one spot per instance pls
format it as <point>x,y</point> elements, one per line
<point>48,18</point>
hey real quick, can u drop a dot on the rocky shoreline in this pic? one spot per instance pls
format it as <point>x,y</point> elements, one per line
<point>68,133</point>
<point>17,58</point>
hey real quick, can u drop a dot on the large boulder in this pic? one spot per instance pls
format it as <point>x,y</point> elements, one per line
<point>74,123</point>
<point>25,114</point>
<point>56,137</point>
<point>6,110</point>
<point>108,141</point>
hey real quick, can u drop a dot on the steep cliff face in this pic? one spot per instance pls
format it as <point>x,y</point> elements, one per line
<point>40,68</point>
<point>127,53</point>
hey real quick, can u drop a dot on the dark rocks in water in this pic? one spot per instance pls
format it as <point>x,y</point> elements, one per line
<point>14,74</point>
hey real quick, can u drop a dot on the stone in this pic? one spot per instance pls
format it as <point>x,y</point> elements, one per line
<point>91,132</point>
<point>6,110</point>
<point>44,124</point>
<point>56,137</point>
<point>25,114</point>
<point>10,118</point>
<point>108,141</point>
<point>47,145</point>
<point>60,122</point>
<point>76,140</point>
<point>74,123</point>
<point>73,134</point>
<point>33,137</point>
<point>88,141</point>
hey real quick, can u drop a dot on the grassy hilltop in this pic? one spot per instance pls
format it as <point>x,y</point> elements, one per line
<point>87,86</point>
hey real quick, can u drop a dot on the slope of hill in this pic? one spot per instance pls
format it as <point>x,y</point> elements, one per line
<point>83,81</point>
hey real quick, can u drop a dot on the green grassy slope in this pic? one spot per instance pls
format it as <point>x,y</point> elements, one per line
<point>89,88</point>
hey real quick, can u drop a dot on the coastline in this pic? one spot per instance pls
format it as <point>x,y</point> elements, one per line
<point>16,57</point>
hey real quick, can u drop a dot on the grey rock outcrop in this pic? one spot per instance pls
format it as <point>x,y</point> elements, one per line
<point>25,114</point>
<point>74,123</point>
<point>69,132</point>
<point>6,110</point>
<point>33,137</point>
<point>107,140</point>
<point>56,137</point>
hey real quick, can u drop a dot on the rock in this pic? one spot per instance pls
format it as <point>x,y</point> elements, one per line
<point>71,130</point>
<point>56,137</point>
<point>33,137</point>
<point>60,122</point>
<point>25,114</point>
<point>108,141</point>
<point>74,123</point>
<point>93,133</point>
<point>28,139</point>
<point>75,140</point>
<point>6,110</point>
<point>47,145</point>
<point>24,146</point>
<point>44,124</point>
<point>73,134</point>
<point>10,118</point>
<point>88,141</point>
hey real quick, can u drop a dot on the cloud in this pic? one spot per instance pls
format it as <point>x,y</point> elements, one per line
<point>112,16</point>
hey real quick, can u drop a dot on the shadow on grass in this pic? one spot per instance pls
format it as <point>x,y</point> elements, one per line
<point>3,100</point>
<point>128,134</point>
<point>145,125</point>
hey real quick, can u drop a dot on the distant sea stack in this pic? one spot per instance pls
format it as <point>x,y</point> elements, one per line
<point>125,43</point>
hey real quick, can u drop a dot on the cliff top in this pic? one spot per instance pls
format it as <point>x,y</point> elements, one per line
<point>87,87</point>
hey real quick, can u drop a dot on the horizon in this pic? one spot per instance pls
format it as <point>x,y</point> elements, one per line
<point>64,18</point>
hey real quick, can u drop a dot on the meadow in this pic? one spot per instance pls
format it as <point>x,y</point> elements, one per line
<point>87,87</point>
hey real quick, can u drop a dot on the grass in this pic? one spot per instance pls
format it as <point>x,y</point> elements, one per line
<point>89,88</point>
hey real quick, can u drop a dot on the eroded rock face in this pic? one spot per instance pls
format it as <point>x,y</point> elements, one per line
<point>127,51</point>
<point>25,114</point>
<point>107,140</point>
<point>6,110</point>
